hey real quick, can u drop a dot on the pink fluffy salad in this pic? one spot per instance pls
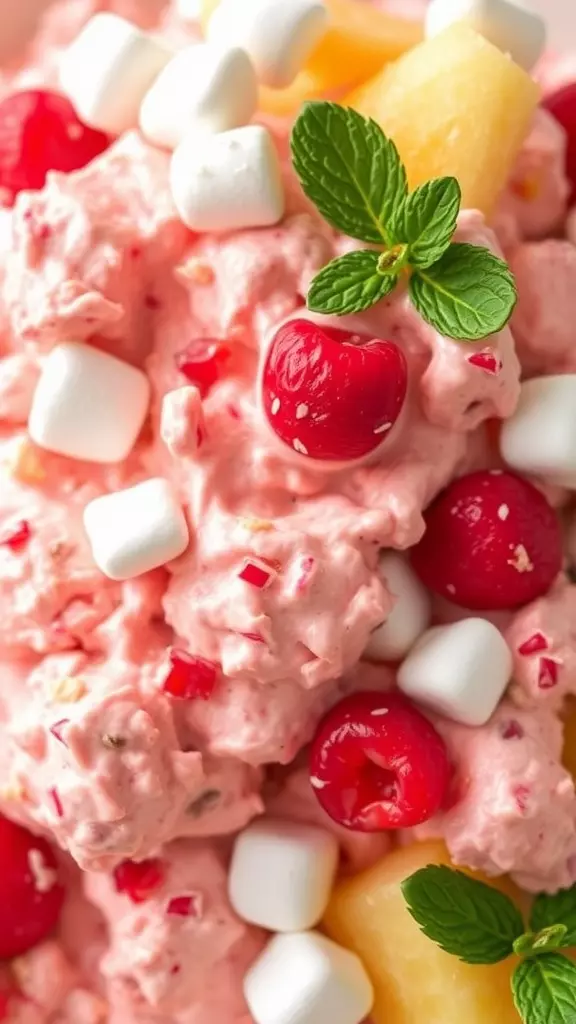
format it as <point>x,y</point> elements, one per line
<point>148,717</point>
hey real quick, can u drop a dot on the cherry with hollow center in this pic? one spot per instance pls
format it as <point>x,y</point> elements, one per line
<point>40,132</point>
<point>492,542</point>
<point>377,763</point>
<point>31,906</point>
<point>331,394</point>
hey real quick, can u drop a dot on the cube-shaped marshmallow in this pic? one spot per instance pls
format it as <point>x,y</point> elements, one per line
<point>305,978</point>
<point>278,37</point>
<point>88,404</point>
<point>507,24</point>
<point>282,873</point>
<point>410,615</point>
<point>205,88</point>
<point>136,530</point>
<point>460,671</point>
<point>540,437</point>
<point>229,181</point>
<point>108,69</point>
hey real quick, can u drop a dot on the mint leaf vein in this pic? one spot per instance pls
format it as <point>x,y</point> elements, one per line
<point>544,990</point>
<point>350,284</point>
<point>426,220</point>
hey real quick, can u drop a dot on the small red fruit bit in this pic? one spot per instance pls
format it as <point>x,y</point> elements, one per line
<point>512,730</point>
<point>57,728</point>
<point>377,763</point>
<point>17,537</point>
<point>40,132</point>
<point>255,575</point>
<point>562,105</point>
<point>330,394</point>
<point>486,360</point>
<point>548,671</point>
<point>202,362</point>
<point>139,880</point>
<point>492,541</point>
<point>55,796</point>
<point>30,910</point>
<point>183,906</point>
<point>190,676</point>
<point>536,643</point>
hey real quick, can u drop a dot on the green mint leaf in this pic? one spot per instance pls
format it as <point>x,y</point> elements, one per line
<point>535,943</point>
<point>349,169</point>
<point>350,284</point>
<point>557,909</point>
<point>426,220</point>
<point>467,295</point>
<point>464,917</point>
<point>544,990</point>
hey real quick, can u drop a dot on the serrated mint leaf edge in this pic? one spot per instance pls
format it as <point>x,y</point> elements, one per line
<point>372,226</point>
<point>428,233</point>
<point>497,944</point>
<point>537,997</point>
<point>365,262</point>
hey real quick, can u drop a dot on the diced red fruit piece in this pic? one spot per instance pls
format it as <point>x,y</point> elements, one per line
<point>56,801</point>
<point>40,132</point>
<point>256,638</point>
<point>377,763</point>
<point>202,362</point>
<point>486,360</point>
<point>139,880</point>
<point>255,575</point>
<point>548,671</point>
<point>492,541</point>
<point>329,394</point>
<point>57,728</point>
<point>17,536</point>
<point>521,796</point>
<point>190,676</point>
<point>183,906</point>
<point>28,914</point>
<point>512,731</point>
<point>562,105</point>
<point>533,645</point>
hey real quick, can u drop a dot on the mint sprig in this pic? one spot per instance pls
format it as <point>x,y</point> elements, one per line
<point>354,176</point>
<point>481,925</point>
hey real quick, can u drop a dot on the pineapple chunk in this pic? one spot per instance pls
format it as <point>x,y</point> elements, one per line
<point>359,41</point>
<point>414,980</point>
<point>454,105</point>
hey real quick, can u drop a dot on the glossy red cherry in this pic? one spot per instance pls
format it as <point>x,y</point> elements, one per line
<point>31,892</point>
<point>202,362</point>
<point>331,394</point>
<point>562,105</point>
<point>492,541</point>
<point>190,676</point>
<point>377,763</point>
<point>139,880</point>
<point>40,132</point>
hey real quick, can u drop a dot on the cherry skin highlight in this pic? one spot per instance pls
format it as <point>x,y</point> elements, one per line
<point>331,394</point>
<point>377,763</point>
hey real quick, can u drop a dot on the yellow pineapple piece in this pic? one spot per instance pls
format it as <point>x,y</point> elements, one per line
<point>454,105</point>
<point>360,39</point>
<point>414,980</point>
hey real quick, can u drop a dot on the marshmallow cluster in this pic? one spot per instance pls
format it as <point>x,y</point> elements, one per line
<point>509,26</point>
<point>460,671</point>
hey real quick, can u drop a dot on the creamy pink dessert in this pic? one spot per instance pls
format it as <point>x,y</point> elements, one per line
<point>159,695</point>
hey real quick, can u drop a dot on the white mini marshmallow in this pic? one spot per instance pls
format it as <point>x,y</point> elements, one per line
<point>88,405</point>
<point>278,36</point>
<point>540,437</point>
<point>461,670</point>
<point>410,615</point>
<point>509,26</point>
<point>108,69</point>
<point>206,88</point>
<point>135,530</point>
<point>189,10</point>
<point>229,181</point>
<point>305,978</point>
<point>282,874</point>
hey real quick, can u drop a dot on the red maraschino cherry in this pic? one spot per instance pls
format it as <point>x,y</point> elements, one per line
<point>562,105</point>
<point>377,763</point>
<point>31,893</point>
<point>40,132</point>
<point>492,541</point>
<point>331,394</point>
